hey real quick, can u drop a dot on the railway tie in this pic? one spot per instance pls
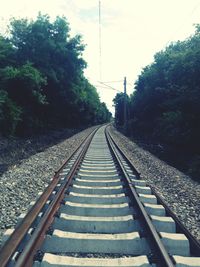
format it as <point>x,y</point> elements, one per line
<point>100,213</point>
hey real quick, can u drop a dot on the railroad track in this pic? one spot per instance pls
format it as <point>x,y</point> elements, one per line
<point>98,212</point>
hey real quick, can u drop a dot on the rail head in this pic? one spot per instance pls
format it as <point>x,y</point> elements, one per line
<point>13,242</point>
<point>194,243</point>
<point>165,259</point>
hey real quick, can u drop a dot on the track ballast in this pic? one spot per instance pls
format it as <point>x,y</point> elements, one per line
<point>99,213</point>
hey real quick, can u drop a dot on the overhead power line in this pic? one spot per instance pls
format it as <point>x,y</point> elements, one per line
<point>194,9</point>
<point>130,84</point>
<point>100,62</point>
<point>114,81</point>
<point>109,87</point>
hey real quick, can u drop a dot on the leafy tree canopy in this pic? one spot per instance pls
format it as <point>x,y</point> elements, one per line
<point>165,103</point>
<point>42,77</point>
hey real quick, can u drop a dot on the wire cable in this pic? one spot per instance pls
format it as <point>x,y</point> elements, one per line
<point>185,21</point>
<point>100,54</point>
<point>109,87</point>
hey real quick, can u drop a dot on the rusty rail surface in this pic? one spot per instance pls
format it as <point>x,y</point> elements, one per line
<point>164,257</point>
<point>25,259</point>
<point>194,243</point>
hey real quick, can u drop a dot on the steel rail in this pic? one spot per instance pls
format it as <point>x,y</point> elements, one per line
<point>194,243</point>
<point>11,245</point>
<point>165,259</point>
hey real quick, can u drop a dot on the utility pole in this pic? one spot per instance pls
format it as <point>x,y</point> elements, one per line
<point>100,63</point>
<point>125,106</point>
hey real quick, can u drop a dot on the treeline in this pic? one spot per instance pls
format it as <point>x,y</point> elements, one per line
<point>42,84</point>
<point>165,104</point>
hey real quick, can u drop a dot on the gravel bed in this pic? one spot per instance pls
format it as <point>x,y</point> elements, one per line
<point>21,183</point>
<point>178,190</point>
<point>15,149</point>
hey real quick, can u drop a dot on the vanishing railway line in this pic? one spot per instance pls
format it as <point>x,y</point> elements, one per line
<point>98,212</point>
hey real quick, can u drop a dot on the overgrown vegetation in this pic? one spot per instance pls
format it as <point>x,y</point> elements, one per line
<point>165,105</point>
<point>42,84</point>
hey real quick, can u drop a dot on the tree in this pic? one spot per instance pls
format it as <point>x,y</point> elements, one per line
<point>165,104</point>
<point>7,52</point>
<point>58,57</point>
<point>10,114</point>
<point>23,87</point>
<point>119,102</point>
<point>42,74</point>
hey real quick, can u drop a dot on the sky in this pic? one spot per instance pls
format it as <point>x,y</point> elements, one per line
<point>132,31</point>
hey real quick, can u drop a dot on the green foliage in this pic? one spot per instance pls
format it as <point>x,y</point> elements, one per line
<point>10,114</point>
<point>7,52</point>
<point>41,71</point>
<point>91,109</point>
<point>164,106</point>
<point>23,83</point>
<point>169,127</point>
<point>23,86</point>
<point>165,103</point>
<point>119,102</point>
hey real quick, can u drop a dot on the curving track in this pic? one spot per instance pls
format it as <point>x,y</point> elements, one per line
<point>97,212</point>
